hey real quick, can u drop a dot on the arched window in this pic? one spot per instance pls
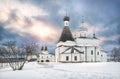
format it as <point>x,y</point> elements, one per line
<point>47,61</point>
<point>97,53</point>
<point>66,23</point>
<point>91,52</point>
<point>75,58</point>
<point>67,58</point>
<point>101,55</point>
<point>42,61</point>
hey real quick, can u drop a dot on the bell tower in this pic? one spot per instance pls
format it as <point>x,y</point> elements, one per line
<point>66,34</point>
<point>82,32</point>
<point>66,20</point>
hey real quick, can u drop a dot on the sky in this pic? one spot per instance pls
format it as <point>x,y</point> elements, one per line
<point>42,20</point>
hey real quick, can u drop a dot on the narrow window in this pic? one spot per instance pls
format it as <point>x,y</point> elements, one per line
<point>66,24</point>
<point>47,60</point>
<point>91,52</point>
<point>75,58</point>
<point>101,55</point>
<point>97,53</point>
<point>42,61</point>
<point>67,58</point>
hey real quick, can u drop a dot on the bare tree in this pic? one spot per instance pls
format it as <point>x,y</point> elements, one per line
<point>116,54</point>
<point>15,55</point>
<point>31,49</point>
<point>1,58</point>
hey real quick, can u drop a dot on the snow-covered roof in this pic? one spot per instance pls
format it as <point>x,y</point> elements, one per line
<point>67,43</point>
<point>72,49</point>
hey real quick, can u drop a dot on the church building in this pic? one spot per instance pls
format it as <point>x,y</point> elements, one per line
<point>80,48</point>
<point>45,56</point>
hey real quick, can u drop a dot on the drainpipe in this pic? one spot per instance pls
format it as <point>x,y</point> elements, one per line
<point>71,57</point>
<point>95,54</point>
<point>85,54</point>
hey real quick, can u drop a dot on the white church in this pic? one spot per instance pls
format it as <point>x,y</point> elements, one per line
<point>69,49</point>
<point>80,48</point>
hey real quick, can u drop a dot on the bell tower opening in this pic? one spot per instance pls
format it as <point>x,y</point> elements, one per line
<point>66,21</point>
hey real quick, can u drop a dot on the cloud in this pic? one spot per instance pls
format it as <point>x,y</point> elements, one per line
<point>25,8</point>
<point>5,34</point>
<point>32,18</point>
<point>111,38</point>
<point>19,18</point>
<point>91,29</point>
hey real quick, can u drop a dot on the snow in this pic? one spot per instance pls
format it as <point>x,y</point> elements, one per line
<point>100,70</point>
<point>67,43</point>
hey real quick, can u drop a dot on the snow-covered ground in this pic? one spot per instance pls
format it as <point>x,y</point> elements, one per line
<point>101,70</point>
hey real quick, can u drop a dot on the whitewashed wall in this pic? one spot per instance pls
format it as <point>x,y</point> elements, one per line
<point>71,57</point>
<point>29,57</point>
<point>87,42</point>
<point>85,45</point>
<point>44,57</point>
<point>103,56</point>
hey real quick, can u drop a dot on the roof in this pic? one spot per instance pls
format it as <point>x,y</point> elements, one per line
<point>72,49</point>
<point>66,35</point>
<point>88,37</point>
<point>46,53</point>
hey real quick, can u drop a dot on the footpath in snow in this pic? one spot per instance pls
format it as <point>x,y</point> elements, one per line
<point>101,70</point>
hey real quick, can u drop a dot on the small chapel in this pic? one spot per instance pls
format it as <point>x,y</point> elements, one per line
<point>45,56</point>
<point>78,48</point>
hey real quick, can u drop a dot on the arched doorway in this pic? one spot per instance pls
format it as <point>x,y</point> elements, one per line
<point>42,61</point>
<point>47,61</point>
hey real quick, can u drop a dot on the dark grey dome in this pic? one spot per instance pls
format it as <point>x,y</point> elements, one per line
<point>66,18</point>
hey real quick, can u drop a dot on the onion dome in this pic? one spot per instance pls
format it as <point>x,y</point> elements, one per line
<point>66,18</point>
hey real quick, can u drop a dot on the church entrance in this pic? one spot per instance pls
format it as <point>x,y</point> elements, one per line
<point>42,61</point>
<point>47,61</point>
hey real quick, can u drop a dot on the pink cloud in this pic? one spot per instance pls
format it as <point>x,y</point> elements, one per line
<point>17,24</point>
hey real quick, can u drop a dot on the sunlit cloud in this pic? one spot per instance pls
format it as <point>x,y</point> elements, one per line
<point>44,31</point>
<point>111,38</point>
<point>15,14</point>
<point>25,8</point>
<point>97,29</point>
<point>41,18</point>
<point>4,11</point>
